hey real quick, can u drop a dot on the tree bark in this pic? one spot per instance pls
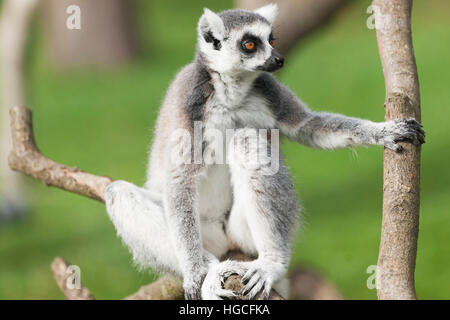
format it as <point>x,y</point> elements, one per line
<point>25,157</point>
<point>401,200</point>
<point>15,21</point>
<point>165,288</point>
<point>296,18</point>
<point>107,35</point>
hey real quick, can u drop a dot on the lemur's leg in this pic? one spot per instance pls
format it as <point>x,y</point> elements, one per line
<point>263,219</point>
<point>138,216</point>
<point>139,219</point>
<point>330,131</point>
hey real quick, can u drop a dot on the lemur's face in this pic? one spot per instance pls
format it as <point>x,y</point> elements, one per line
<point>237,41</point>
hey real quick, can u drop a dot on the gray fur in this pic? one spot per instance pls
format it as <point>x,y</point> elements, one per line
<point>314,127</point>
<point>201,89</point>
<point>190,214</point>
<point>282,102</point>
<point>185,226</point>
<point>236,18</point>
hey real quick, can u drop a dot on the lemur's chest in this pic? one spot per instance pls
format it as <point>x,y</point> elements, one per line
<point>235,105</point>
<point>228,109</point>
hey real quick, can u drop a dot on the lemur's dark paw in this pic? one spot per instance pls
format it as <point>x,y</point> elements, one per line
<point>402,130</point>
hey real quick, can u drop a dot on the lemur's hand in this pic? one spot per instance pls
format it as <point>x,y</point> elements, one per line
<point>257,276</point>
<point>395,131</point>
<point>213,286</point>
<point>260,277</point>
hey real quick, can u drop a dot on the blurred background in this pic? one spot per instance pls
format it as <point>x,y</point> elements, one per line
<point>95,95</point>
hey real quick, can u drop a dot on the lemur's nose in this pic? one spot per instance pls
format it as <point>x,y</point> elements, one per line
<point>279,61</point>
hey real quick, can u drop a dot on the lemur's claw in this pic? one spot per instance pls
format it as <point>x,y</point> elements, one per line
<point>255,281</point>
<point>401,130</point>
<point>227,294</point>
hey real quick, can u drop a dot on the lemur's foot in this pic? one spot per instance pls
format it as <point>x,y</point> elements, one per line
<point>258,278</point>
<point>213,286</point>
<point>400,130</point>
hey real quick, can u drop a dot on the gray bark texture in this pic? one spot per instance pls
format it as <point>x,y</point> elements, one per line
<point>401,196</point>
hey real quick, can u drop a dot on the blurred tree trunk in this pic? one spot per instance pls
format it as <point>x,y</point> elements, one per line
<point>296,18</point>
<point>107,35</point>
<point>14,28</point>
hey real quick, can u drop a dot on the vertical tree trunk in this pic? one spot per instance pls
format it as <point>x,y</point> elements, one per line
<point>398,246</point>
<point>14,26</point>
<point>296,18</point>
<point>107,35</point>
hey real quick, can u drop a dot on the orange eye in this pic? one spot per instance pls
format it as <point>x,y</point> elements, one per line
<point>250,45</point>
<point>272,42</point>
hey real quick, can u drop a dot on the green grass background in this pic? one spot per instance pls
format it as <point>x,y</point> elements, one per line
<point>102,122</point>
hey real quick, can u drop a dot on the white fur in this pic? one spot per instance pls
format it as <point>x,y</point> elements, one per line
<point>141,225</point>
<point>214,23</point>
<point>216,199</point>
<point>269,12</point>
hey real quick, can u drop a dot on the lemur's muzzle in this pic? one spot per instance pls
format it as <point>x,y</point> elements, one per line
<point>274,62</point>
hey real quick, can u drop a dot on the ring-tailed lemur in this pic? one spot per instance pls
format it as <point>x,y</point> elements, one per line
<point>189,215</point>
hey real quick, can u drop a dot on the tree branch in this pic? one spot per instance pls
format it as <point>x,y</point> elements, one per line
<point>25,157</point>
<point>61,273</point>
<point>307,284</point>
<point>398,245</point>
<point>165,288</point>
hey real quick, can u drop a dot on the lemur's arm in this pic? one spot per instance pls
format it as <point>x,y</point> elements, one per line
<point>330,131</point>
<point>184,227</point>
<point>325,130</point>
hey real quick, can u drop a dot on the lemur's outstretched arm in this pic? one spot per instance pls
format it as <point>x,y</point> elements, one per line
<point>328,130</point>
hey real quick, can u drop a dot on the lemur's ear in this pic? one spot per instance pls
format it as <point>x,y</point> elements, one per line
<point>211,25</point>
<point>269,12</point>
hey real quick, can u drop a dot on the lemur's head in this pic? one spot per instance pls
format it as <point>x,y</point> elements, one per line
<point>236,41</point>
